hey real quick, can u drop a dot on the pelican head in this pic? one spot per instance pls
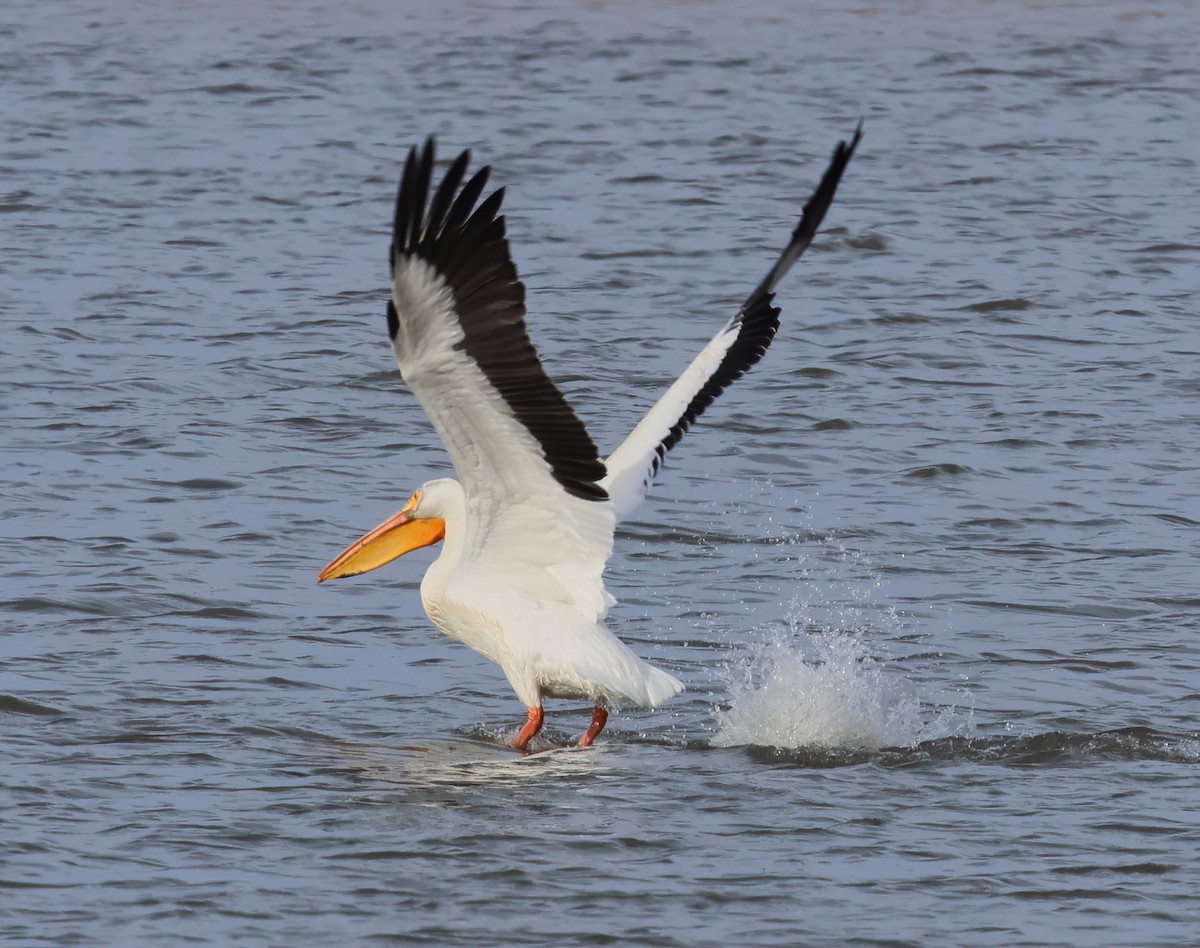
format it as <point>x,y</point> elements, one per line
<point>421,522</point>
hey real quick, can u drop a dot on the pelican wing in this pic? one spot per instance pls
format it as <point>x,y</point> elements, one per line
<point>529,469</point>
<point>740,343</point>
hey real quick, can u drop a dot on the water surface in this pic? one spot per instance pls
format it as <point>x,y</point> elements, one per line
<point>929,572</point>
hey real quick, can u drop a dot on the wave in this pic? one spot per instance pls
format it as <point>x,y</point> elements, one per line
<point>1048,749</point>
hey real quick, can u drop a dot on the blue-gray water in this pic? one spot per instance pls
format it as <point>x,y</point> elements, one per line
<point>929,572</point>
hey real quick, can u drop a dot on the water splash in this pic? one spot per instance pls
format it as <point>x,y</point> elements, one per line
<point>819,681</point>
<point>837,696</point>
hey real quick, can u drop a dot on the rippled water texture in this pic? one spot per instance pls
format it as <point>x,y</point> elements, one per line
<point>929,572</point>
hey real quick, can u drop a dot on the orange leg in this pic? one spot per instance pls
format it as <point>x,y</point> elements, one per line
<point>533,724</point>
<point>599,719</point>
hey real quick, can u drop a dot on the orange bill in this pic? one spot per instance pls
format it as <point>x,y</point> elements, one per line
<point>394,537</point>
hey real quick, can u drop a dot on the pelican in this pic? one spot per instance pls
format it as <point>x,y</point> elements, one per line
<point>527,528</point>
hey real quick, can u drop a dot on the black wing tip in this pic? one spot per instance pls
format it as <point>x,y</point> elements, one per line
<point>419,222</point>
<point>854,139</point>
<point>813,212</point>
<point>837,166</point>
<point>844,150</point>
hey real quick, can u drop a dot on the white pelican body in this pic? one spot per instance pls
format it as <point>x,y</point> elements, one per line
<point>528,527</point>
<point>502,606</point>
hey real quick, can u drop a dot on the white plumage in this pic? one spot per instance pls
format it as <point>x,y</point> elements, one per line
<point>528,526</point>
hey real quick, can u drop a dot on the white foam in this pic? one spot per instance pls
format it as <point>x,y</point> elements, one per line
<point>815,681</point>
<point>835,697</point>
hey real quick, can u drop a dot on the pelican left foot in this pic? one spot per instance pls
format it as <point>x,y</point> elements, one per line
<point>599,719</point>
<point>533,724</point>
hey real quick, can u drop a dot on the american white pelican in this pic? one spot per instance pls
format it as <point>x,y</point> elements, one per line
<point>528,527</point>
